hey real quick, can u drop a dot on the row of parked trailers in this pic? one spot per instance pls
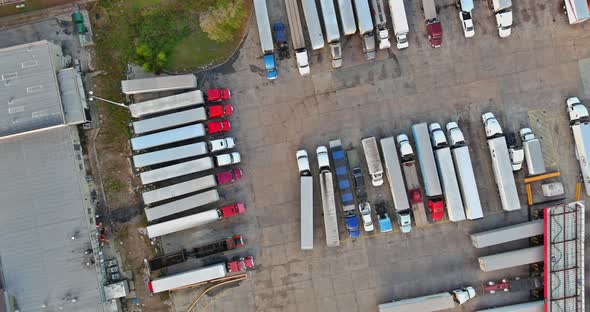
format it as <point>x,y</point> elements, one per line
<point>170,126</point>
<point>165,149</point>
<point>447,173</point>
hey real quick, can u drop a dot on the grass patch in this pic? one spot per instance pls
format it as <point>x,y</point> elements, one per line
<point>112,184</point>
<point>197,50</point>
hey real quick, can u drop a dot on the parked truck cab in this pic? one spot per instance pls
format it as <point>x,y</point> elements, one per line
<point>463,294</point>
<point>465,8</point>
<point>269,64</point>
<point>437,135</point>
<point>576,110</point>
<point>405,149</point>
<point>435,32</point>
<point>492,126</point>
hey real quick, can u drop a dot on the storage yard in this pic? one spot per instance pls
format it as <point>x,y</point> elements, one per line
<point>374,171</point>
<point>361,265</point>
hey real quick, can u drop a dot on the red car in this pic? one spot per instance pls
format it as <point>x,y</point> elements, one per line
<point>437,210</point>
<point>218,126</point>
<point>216,111</point>
<point>232,210</point>
<point>216,95</point>
<point>240,264</point>
<point>228,176</point>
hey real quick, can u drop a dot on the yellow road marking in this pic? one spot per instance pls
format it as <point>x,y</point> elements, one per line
<point>529,195</point>
<point>578,190</point>
<point>542,177</point>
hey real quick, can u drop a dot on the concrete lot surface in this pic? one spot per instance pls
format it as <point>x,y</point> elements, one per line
<point>523,79</point>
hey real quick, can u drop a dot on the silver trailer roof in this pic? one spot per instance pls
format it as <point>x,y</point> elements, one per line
<point>364,16</point>
<point>429,9</point>
<point>428,303</point>
<point>501,4</point>
<point>169,120</point>
<point>306,212</point>
<point>379,13</point>
<point>172,226</point>
<point>330,20</point>
<point>507,234</point>
<point>170,154</point>
<point>295,25</point>
<point>503,173</point>
<point>467,5</point>
<point>371,151</point>
<point>329,209</point>
<point>582,138</point>
<point>179,189</point>
<point>347,17</point>
<point>394,174</point>
<point>166,104</point>
<point>511,259</point>
<point>181,205</point>
<point>263,23</point>
<point>421,135</point>
<point>448,177</point>
<point>312,19</point>
<point>534,157</point>
<point>535,306</point>
<point>188,278</point>
<point>176,170</point>
<point>158,84</point>
<point>467,183</point>
<point>398,16</point>
<point>167,137</point>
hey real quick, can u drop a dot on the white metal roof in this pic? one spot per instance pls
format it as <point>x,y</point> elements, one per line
<point>29,92</point>
<point>181,205</point>
<point>179,189</point>
<point>167,103</point>
<point>172,226</point>
<point>158,84</point>
<point>176,170</point>
<point>169,120</point>
<point>188,278</point>
<point>167,137</point>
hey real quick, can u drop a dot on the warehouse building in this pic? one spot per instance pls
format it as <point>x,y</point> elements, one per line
<point>46,213</point>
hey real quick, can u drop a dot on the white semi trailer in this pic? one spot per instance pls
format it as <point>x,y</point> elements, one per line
<point>373,160</point>
<point>312,20</point>
<point>332,32</point>
<point>306,200</point>
<point>194,220</point>
<point>159,84</point>
<point>180,189</point>
<point>168,121</point>
<point>328,198</point>
<point>511,259</point>
<point>177,170</point>
<point>170,154</point>
<point>396,184</point>
<point>465,174</point>
<point>501,163</point>
<point>507,234</point>
<point>532,152</point>
<point>347,17</point>
<point>400,23</point>
<point>181,205</point>
<point>166,104</point>
<point>167,137</point>
<point>535,306</point>
<point>580,126</point>
<point>366,28</point>
<point>430,303</point>
<point>447,174</point>
<point>381,24</point>
<point>297,37</point>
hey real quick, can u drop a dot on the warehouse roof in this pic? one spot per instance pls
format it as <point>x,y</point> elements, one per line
<point>43,205</point>
<point>29,94</point>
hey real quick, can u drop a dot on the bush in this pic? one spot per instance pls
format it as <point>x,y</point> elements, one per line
<point>159,30</point>
<point>222,21</point>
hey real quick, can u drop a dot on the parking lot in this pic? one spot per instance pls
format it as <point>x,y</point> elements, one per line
<point>523,79</point>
